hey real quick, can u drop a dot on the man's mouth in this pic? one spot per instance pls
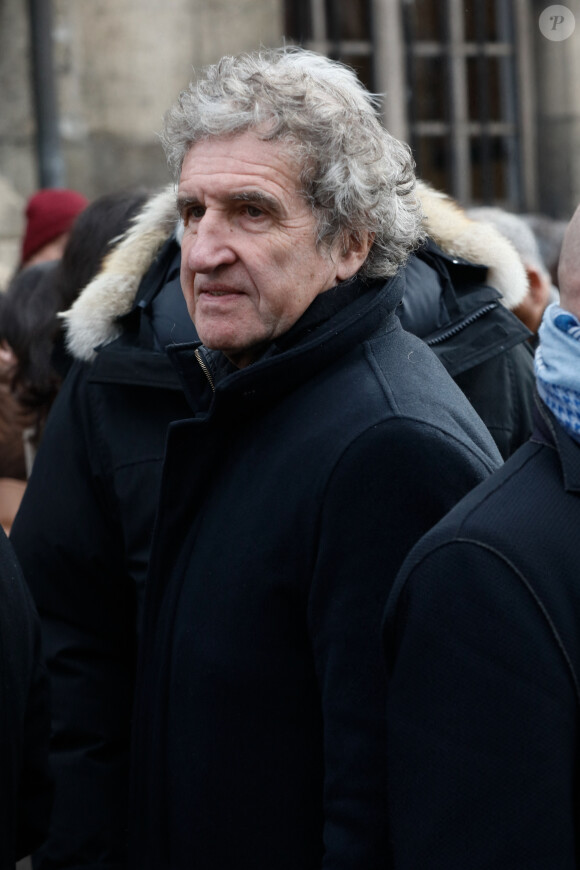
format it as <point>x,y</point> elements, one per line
<point>217,291</point>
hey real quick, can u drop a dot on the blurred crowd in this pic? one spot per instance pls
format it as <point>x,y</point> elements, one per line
<point>64,243</point>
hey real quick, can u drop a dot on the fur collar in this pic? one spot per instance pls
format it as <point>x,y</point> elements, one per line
<point>92,319</point>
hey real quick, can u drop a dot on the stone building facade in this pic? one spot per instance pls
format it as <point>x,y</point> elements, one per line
<point>489,103</point>
<point>118,66</point>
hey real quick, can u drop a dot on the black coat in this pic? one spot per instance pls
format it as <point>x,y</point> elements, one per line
<point>25,784</point>
<point>83,535</point>
<point>289,499</point>
<point>483,346</point>
<point>483,644</point>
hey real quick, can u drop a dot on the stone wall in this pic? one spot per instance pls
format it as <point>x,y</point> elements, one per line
<point>558,118</point>
<point>11,226</point>
<point>17,160</point>
<point>119,65</point>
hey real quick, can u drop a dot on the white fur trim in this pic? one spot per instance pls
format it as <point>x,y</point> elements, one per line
<point>475,241</point>
<point>91,321</point>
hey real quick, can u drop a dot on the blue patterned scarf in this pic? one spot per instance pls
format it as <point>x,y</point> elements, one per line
<point>557,365</point>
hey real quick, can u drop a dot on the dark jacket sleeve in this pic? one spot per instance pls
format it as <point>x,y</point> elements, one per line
<point>391,485</point>
<point>482,718</point>
<point>72,557</point>
<point>25,783</point>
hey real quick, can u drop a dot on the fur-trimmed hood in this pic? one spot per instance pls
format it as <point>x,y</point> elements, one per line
<point>92,320</point>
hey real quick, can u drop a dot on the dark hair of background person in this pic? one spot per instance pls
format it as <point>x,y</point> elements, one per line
<point>100,224</point>
<point>29,322</point>
<point>26,309</point>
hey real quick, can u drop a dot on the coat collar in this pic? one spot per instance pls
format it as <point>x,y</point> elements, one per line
<point>329,329</point>
<point>547,431</point>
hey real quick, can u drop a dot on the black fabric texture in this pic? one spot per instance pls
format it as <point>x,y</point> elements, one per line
<point>483,651</point>
<point>25,782</point>
<point>288,502</point>
<point>85,528</point>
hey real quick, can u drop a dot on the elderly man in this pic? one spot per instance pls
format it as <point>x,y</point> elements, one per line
<point>483,644</point>
<point>323,440</point>
<point>318,442</point>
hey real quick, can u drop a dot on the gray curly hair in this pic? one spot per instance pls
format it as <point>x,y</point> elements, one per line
<point>357,178</point>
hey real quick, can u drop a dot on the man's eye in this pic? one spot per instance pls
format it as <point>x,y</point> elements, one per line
<point>254,211</point>
<point>191,212</point>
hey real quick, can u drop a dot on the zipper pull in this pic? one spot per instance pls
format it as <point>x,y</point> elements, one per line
<point>204,368</point>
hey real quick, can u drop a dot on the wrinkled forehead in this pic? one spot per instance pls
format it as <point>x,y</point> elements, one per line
<point>250,152</point>
<point>240,167</point>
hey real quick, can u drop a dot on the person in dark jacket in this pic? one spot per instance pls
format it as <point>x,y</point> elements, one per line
<point>455,307</point>
<point>112,416</point>
<point>319,441</point>
<point>87,518</point>
<point>104,444</point>
<point>483,646</point>
<point>25,782</point>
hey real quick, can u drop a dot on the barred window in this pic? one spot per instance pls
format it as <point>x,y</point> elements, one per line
<point>340,30</point>
<point>457,78</point>
<point>466,112</point>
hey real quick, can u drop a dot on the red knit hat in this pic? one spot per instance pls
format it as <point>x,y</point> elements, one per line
<point>49,214</point>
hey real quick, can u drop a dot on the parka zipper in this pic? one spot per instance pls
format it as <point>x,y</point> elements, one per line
<point>205,369</point>
<point>459,326</point>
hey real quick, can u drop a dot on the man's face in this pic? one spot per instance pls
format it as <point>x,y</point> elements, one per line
<point>250,266</point>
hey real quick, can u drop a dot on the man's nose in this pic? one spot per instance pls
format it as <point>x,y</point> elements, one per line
<point>211,245</point>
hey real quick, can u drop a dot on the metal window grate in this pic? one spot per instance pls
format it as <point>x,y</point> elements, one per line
<point>457,75</point>
<point>464,108</point>
<point>337,29</point>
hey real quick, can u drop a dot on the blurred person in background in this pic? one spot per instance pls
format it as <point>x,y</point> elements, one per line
<point>549,233</point>
<point>93,235</point>
<point>482,635</point>
<point>30,321</point>
<point>27,300</point>
<point>540,288</point>
<point>33,357</point>
<point>50,214</point>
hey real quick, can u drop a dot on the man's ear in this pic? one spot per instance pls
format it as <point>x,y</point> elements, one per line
<point>532,307</point>
<point>352,255</point>
<point>539,286</point>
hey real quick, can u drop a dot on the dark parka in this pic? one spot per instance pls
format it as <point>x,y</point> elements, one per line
<point>25,784</point>
<point>484,347</point>
<point>83,535</point>
<point>483,646</point>
<point>84,529</point>
<point>289,499</point>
